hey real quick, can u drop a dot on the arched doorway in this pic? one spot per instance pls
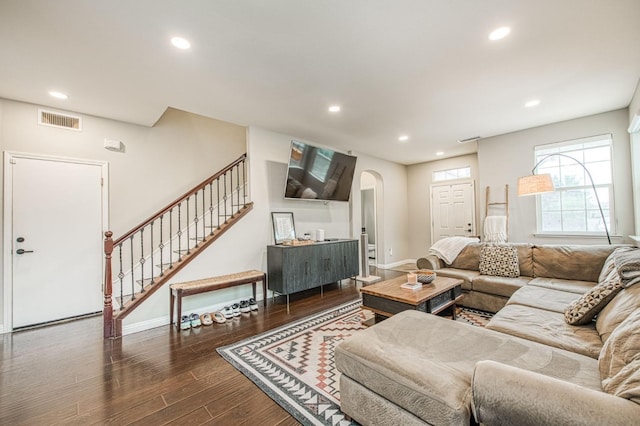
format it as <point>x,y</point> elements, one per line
<point>370,214</point>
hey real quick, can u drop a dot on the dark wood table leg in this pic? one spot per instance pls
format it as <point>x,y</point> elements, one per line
<point>179,301</point>
<point>172,301</point>
<point>264,290</point>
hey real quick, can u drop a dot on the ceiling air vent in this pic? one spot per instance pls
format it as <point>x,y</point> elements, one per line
<point>56,119</point>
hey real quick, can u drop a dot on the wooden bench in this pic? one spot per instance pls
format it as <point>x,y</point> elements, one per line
<point>189,288</point>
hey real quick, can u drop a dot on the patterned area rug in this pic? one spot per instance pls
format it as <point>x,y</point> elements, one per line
<point>294,364</point>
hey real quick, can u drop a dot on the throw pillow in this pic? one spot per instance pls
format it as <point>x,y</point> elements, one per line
<point>582,310</point>
<point>500,261</point>
<point>619,360</point>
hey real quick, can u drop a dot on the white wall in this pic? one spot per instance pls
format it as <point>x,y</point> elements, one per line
<point>158,165</point>
<point>634,139</point>
<point>502,159</point>
<point>392,215</point>
<point>245,245</point>
<point>269,153</point>
<point>420,179</point>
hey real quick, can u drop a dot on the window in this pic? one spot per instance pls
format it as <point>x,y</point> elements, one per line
<point>452,174</point>
<point>572,209</point>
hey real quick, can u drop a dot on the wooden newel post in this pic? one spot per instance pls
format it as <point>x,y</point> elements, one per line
<point>107,312</point>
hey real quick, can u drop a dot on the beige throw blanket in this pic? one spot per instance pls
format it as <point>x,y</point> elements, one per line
<point>449,248</point>
<point>627,262</point>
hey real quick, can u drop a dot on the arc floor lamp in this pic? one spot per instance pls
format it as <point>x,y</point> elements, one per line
<point>538,184</point>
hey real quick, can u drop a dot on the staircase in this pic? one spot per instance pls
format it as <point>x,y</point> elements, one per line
<point>142,260</point>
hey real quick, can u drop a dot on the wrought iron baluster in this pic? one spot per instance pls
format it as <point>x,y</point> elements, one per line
<point>133,281</point>
<point>161,247</point>
<point>238,185</point>
<point>225,197</point>
<point>195,219</point>
<point>244,182</point>
<point>188,244</point>
<point>218,205</point>
<point>179,233</point>
<point>231,191</point>
<point>151,248</point>
<point>204,220</point>
<point>211,205</point>
<point>171,238</point>
<point>121,276</point>
<point>142,259</point>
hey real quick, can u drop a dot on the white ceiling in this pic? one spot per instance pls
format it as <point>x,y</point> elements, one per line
<point>424,68</point>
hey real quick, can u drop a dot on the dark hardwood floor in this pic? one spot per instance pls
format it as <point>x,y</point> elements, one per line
<point>67,374</point>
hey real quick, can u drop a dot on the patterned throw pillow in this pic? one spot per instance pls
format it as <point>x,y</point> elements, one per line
<point>500,261</point>
<point>582,311</point>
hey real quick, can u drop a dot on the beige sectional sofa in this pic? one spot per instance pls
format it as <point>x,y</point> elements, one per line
<point>527,367</point>
<point>574,269</point>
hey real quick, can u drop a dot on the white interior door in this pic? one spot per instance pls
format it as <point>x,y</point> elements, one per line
<point>452,210</point>
<point>56,239</point>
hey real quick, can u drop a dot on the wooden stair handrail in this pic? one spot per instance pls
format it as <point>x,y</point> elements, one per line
<point>180,199</point>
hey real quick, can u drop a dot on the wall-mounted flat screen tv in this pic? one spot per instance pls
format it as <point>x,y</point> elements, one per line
<point>316,173</point>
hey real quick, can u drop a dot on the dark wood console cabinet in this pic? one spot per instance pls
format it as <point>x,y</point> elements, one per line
<point>295,268</point>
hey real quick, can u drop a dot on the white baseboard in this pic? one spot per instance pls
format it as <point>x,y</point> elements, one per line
<point>164,320</point>
<point>394,264</point>
<point>1,328</point>
<point>144,325</point>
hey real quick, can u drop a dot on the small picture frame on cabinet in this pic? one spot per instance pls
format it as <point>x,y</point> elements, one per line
<point>283,227</point>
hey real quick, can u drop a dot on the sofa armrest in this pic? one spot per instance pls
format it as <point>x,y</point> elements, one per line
<point>505,395</point>
<point>430,262</point>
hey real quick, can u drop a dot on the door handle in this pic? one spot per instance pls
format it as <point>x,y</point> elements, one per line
<point>21,251</point>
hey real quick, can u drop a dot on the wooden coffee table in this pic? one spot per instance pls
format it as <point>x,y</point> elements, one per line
<point>387,298</point>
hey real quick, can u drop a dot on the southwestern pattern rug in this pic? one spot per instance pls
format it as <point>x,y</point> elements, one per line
<point>294,365</point>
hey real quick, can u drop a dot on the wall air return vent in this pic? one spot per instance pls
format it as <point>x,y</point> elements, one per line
<point>59,120</point>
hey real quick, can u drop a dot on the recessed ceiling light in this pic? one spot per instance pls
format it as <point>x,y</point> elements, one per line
<point>334,108</point>
<point>58,95</point>
<point>403,138</point>
<point>439,153</point>
<point>532,103</point>
<point>499,33</point>
<point>180,43</point>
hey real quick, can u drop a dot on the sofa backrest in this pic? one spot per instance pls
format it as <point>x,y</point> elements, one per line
<point>570,262</point>
<point>469,257</point>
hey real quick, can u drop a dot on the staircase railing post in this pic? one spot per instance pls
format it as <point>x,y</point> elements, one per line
<point>107,312</point>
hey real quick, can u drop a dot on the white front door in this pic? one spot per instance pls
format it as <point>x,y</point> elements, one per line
<point>56,238</point>
<point>452,210</point>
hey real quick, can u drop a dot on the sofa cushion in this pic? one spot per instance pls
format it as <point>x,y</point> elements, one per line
<point>463,274</point>
<point>548,328</point>
<point>583,263</point>
<point>499,260</point>
<point>583,310</point>
<point>525,258</point>
<point>468,258</point>
<point>502,286</point>
<point>571,286</point>
<point>401,359</point>
<point>619,361</point>
<point>543,298</point>
<point>617,310</point>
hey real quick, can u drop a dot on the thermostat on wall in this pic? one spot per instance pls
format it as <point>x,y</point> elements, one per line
<point>113,145</point>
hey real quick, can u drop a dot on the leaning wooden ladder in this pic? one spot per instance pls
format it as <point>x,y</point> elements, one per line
<point>504,204</point>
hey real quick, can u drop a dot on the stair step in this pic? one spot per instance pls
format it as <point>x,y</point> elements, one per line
<point>147,281</point>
